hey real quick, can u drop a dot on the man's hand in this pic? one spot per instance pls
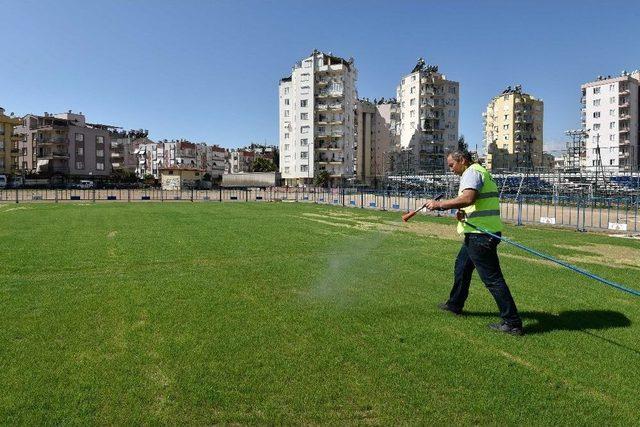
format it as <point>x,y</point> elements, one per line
<point>461,215</point>
<point>433,205</point>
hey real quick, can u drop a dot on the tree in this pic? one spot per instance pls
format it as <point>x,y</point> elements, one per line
<point>261,164</point>
<point>321,179</point>
<point>462,145</point>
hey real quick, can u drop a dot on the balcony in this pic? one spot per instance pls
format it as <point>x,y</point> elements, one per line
<point>624,142</point>
<point>624,91</point>
<point>54,155</point>
<point>322,107</point>
<point>323,82</point>
<point>330,94</point>
<point>624,154</point>
<point>335,106</point>
<point>623,130</point>
<point>623,103</point>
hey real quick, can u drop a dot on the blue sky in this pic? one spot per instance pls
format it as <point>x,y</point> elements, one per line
<point>209,70</point>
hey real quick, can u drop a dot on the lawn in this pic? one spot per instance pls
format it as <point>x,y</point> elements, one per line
<point>263,313</point>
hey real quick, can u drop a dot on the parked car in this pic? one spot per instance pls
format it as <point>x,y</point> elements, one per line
<point>85,184</point>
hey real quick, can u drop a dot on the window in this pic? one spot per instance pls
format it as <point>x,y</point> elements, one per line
<point>413,125</point>
<point>413,78</point>
<point>286,113</point>
<point>304,142</point>
<point>612,137</point>
<point>99,139</point>
<point>611,162</point>
<point>286,169</point>
<point>612,125</point>
<point>99,153</point>
<point>612,112</point>
<point>412,113</point>
<point>452,89</point>
<point>596,115</point>
<point>304,116</point>
<point>612,100</point>
<point>303,102</point>
<point>286,147</point>
<point>304,154</point>
<point>412,90</point>
<point>286,135</point>
<point>286,90</point>
<point>596,102</point>
<point>506,137</point>
<point>505,127</point>
<point>304,168</point>
<point>80,150</point>
<point>286,101</point>
<point>79,137</point>
<point>596,126</point>
<point>1,128</point>
<point>612,87</point>
<point>506,117</point>
<point>304,90</point>
<point>79,165</point>
<point>307,63</point>
<point>596,90</point>
<point>304,129</point>
<point>304,77</point>
<point>412,101</point>
<point>100,166</point>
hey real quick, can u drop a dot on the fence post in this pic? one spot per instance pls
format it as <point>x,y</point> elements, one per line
<point>55,192</point>
<point>16,195</point>
<point>246,194</point>
<point>94,195</point>
<point>519,211</point>
<point>362,198</point>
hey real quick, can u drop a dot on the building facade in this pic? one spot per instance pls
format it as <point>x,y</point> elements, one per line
<point>513,131</point>
<point>64,144</point>
<point>8,144</point>
<point>316,119</point>
<point>376,139</point>
<point>610,119</point>
<point>429,110</point>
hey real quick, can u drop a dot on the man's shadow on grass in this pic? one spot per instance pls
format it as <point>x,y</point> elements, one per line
<point>580,320</point>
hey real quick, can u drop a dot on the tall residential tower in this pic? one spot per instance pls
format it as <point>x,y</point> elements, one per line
<point>513,126</point>
<point>610,119</point>
<point>316,122</point>
<point>429,106</point>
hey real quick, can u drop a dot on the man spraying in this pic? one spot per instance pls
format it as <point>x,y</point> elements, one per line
<point>478,201</point>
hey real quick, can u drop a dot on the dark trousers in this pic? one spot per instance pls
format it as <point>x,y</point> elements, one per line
<point>479,251</point>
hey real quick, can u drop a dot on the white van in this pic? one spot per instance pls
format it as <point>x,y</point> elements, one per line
<point>85,184</point>
<point>3,181</point>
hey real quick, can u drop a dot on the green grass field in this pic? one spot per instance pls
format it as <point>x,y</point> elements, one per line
<point>300,314</point>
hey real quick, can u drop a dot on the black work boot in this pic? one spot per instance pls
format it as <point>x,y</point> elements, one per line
<point>507,329</point>
<point>446,307</point>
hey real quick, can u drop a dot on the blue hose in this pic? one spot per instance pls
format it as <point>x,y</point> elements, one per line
<point>557,261</point>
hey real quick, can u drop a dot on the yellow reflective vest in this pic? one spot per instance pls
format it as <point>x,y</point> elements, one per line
<point>485,212</point>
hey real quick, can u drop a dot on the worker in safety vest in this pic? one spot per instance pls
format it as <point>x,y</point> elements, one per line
<point>478,203</point>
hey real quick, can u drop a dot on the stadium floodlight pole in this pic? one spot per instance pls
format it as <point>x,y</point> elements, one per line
<point>557,261</point>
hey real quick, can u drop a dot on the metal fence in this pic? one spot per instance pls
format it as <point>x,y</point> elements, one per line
<point>581,212</point>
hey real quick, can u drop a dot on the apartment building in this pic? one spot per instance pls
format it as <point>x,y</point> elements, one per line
<point>123,148</point>
<point>316,120</point>
<point>429,110</point>
<point>8,143</point>
<point>376,139</point>
<point>212,159</point>
<point>241,159</point>
<point>64,144</point>
<point>513,130</point>
<point>610,119</point>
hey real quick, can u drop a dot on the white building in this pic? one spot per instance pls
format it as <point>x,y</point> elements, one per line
<point>316,121</point>
<point>429,110</point>
<point>610,118</point>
